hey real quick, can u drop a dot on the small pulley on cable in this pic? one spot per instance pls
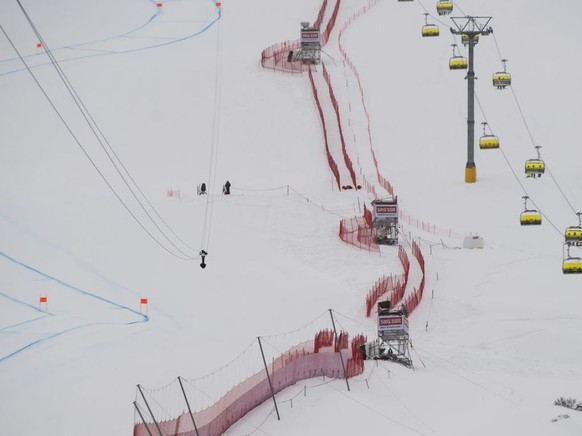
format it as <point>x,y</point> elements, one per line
<point>429,29</point>
<point>535,167</point>
<point>573,234</point>
<point>203,255</point>
<point>529,217</point>
<point>457,62</point>
<point>444,7</point>
<point>488,141</point>
<point>502,79</point>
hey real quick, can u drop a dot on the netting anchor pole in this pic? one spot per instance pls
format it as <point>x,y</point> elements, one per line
<point>149,410</point>
<point>269,378</point>
<point>188,404</point>
<point>142,418</point>
<point>340,350</point>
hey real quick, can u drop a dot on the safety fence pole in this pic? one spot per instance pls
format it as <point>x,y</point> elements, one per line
<point>188,404</point>
<point>269,378</point>
<point>142,418</point>
<point>149,410</point>
<point>340,351</point>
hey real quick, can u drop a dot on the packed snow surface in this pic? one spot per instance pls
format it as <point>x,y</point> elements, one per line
<point>181,97</point>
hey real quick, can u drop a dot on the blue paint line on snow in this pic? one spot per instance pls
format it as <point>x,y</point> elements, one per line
<point>18,324</point>
<point>24,303</point>
<point>147,23</point>
<point>111,283</point>
<point>145,318</point>
<point>109,38</point>
<point>46,338</point>
<point>108,53</point>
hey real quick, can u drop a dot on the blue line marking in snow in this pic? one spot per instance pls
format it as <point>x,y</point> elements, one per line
<point>145,318</point>
<point>109,38</point>
<point>26,322</point>
<point>45,314</point>
<point>54,335</point>
<point>116,52</point>
<point>16,300</point>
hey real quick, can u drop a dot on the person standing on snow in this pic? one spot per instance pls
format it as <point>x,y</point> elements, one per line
<point>226,188</point>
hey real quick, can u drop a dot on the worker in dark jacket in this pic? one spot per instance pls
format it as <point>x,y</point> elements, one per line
<point>226,188</point>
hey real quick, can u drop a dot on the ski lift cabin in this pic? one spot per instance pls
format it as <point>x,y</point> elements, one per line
<point>573,234</point>
<point>487,141</point>
<point>444,7</point>
<point>457,62</point>
<point>535,167</point>
<point>529,217</point>
<point>385,221</point>
<point>502,79</point>
<point>572,265</point>
<point>429,30</point>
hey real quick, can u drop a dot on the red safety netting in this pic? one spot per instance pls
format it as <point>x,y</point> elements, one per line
<point>414,300</point>
<point>357,232</point>
<point>394,285</point>
<point>330,24</point>
<point>335,104</point>
<point>427,227</point>
<point>382,181</point>
<point>330,160</point>
<point>275,58</point>
<point>299,363</point>
<point>318,21</point>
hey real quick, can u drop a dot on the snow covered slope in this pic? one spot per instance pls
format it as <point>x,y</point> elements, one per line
<point>502,340</point>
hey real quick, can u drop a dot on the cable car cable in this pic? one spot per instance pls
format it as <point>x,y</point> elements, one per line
<point>81,146</point>
<point>94,126</point>
<point>515,174</point>
<point>207,226</point>
<point>27,67</point>
<point>432,16</point>
<point>458,7</point>
<point>530,134</point>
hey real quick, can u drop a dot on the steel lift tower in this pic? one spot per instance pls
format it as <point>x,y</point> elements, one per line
<point>470,28</point>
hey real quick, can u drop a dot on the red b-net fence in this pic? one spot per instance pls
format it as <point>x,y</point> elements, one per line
<point>316,358</point>
<point>393,285</point>
<point>335,104</point>
<point>382,181</point>
<point>359,232</point>
<point>428,227</point>
<point>319,19</point>
<point>330,160</point>
<point>275,58</point>
<point>330,24</point>
<point>413,300</point>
